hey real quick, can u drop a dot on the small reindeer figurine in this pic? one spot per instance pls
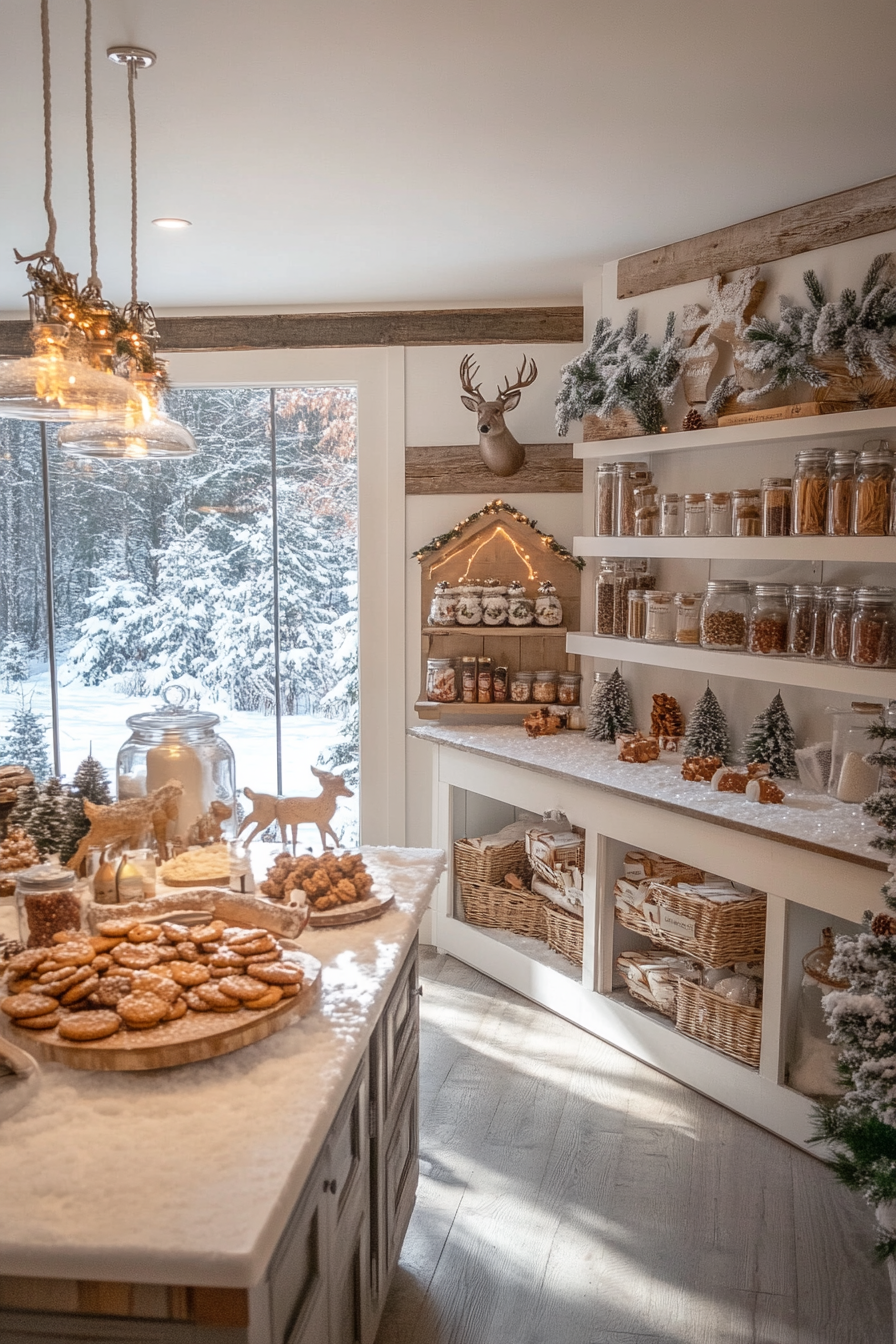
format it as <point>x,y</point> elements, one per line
<point>498,448</point>
<point>293,812</point>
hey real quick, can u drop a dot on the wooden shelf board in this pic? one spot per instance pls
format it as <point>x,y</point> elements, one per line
<point>487,631</point>
<point>432,709</point>
<point>874,550</point>
<point>752,667</point>
<point>844,425</point>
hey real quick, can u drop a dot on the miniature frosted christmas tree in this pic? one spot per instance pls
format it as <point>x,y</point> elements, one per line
<point>50,822</point>
<point>25,742</point>
<point>610,711</point>
<point>771,741</point>
<point>90,782</point>
<point>707,730</point>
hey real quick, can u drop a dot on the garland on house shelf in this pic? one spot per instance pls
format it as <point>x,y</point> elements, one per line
<point>497,506</point>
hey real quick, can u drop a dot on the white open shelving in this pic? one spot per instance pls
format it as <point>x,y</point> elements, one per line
<point>864,550</point>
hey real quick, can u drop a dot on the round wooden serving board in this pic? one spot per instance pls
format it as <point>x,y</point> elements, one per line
<point>354,913</point>
<point>193,882</point>
<point>191,1038</point>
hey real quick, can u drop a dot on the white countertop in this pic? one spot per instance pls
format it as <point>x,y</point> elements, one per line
<point>188,1175</point>
<point>807,820</point>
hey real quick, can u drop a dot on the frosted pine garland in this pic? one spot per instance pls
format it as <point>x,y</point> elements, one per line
<point>620,370</point>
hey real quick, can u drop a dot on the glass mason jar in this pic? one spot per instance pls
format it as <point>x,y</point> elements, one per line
<point>443,606</point>
<point>500,681</point>
<point>853,778</point>
<point>670,515</point>
<point>495,606</point>
<point>687,617</point>
<point>637,614</point>
<point>723,615</point>
<point>521,687</point>
<point>544,687</point>
<point>468,686</point>
<point>777,493</point>
<point>841,487</point>
<point>180,744</point>
<point>647,511</point>
<point>799,626</point>
<point>820,610</point>
<point>873,487</point>
<point>568,688</point>
<point>441,680</point>
<point>694,522</point>
<point>840,599</point>
<point>48,903</point>
<point>814,1068</point>
<point>604,597</point>
<point>746,514</point>
<point>548,607</point>
<point>718,513</point>
<point>624,581</point>
<point>468,610</point>
<point>872,634</point>
<point>660,626</point>
<point>605,499</point>
<point>810,492</point>
<point>520,608</point>
<point>629,475</point>
<point>769,618</point>
<point>484,681</point>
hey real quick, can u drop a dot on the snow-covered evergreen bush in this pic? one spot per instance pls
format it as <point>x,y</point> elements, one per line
<point>772,741</point>
<point>707,729</point>
<point>621,370</point>
<point>13,662</point>
<point>610,711</point>
<point>25,741</point>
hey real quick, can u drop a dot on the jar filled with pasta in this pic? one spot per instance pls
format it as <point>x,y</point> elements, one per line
<point>810,492</point>
<point>873,487</point>
<point>841,487</point>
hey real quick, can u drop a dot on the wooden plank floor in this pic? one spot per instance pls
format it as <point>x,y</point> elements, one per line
<point>571,1195</point>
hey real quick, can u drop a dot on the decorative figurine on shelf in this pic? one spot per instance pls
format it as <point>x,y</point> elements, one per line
<point>498,448</point>
<point>700,769</point>
<point>764,791</point>
<point>125,823</point>
<point>267,808</point>
<point>637,749</point>
<point>610,710</point>
<point>729,780</point>
<point>209,828</point>
<point>443,608</point>
<point>666,718</point>
<point>494,604</point>
<point>771,739</point>
<point>542,723</point>
<point>548,608</point>
<point>707,730</point>
<point>520,608</point>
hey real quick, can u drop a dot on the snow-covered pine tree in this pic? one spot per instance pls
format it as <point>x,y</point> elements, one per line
<point>89,782</point>
<point>771,741</point>
<point>882,805</point>
<point>610,711</point>
<point>14,662</point>
<point>25,741</point>
<point>707,730</point>
<point>50,822</point>
<point>26,802</point>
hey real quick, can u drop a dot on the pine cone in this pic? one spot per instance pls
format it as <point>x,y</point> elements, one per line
<point>693,420</point>
<point>883,925</point>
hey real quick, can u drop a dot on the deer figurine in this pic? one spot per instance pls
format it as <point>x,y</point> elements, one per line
<point>294,812</point>
<point>498,448</point>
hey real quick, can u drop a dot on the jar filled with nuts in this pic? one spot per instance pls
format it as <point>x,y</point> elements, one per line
<point>776,499</point>
<point>821,606</point>
<point>521,687</point>
<point>629,476</point>
<point>873,486</point>
<point>840,600</point>
<point>605,499</point>
<point>687,618</point>
<point>569,687</point>
<point>544,687</point>
<point>873,628</point>
<point>604,590</point>
<point>746,514</point>
<point>47,901</point>
<point>660,624</point>
<point>718,513</point>
<point>769,615</point>
<point>841,487</point>
<point>810,492</point>
<point>723,615</point>
<point>799,626</point>
<point>694,523</point>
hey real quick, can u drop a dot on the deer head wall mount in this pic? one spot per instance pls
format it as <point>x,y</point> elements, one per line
<point>498,448</point>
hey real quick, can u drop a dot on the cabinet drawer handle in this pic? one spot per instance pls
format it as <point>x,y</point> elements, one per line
<point>329,1187</point>
<point>419,991</point>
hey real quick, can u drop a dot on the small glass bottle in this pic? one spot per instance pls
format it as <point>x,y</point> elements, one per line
<point>637,614</point>
<point>468,683</point>
<point>873,487</point>
<point>694,524</point>
<point>605,500</point>
<point>569,687</point>
<point>604,597</point>
<point>810,492</point>
<point>484,682</point>
<point>629,475</point>
<point>660,626</point>
<point>799,625</point>
<point>820,610</point>
<point>777,494</point>
<point>718,513</point>
<point>441,681</point>
<point>687,617</point>
<point>746,513</point>
<point>670,515</point>
<point>723,615</point>
<point>521,687</point>
<point>841,487</point>
<point>872,641</point>
<point>769,616</point>
<point>839,616</point>
<point>544,687</point>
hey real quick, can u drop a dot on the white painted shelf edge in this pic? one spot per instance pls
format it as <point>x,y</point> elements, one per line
<point>879,682</point>
<point>868,550</point>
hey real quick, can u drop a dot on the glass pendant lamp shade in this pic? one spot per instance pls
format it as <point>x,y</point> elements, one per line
<point>151,434</point>
<point>58,383</point>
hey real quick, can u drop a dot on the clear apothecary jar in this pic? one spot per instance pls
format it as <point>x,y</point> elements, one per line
<point>441,680</point>
<point>604,597</point>
<point>694,522</point>
<point>777,494</point>
<point>723,615</point>
<point>799,625</point>
<point>605,499</point>
<point>840,599</point>
<point>821,606</point>
<point>853,778</point>
<point>718,513</point>
<point>174,743</point>
<point>569,688</point>
<point>48,902</point>
<point>660,623</point>
<point>629,476</point>
<point>873,488</point>
<point>637,614</point>
<point>624,581</point>
<point>670,515</point>
<point>443,605</point>
<point>814,1068</point>
<point>841,487</point>
<point>769,618</point>
<point>872,633</point>
<point>746,514</point>
<point>544,687</point>
<point>521,687</point>
<point>810,492</point>
<point>687,617</point>
<point>647,511</point>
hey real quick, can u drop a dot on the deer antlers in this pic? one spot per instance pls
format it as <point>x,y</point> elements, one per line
<point>523,379</point>
<point>468,371</point>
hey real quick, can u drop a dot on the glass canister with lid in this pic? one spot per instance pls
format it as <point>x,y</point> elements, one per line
<point>548,607</point>
<point>687,617</point>
<point>604,590</point>
<point>468,609</point>
<point>769,617</point>
<point>544,687</point>
<point>660,617</point>
<point>647,511</point>
<point>777,494</point>
<point>853,778</point>
<point>746,514</point>
<point>670,515</point>
<point>694,520</point>
<point>569,687</point>
<point>520,608</point>
<point>629,476</point>
<point>605,499</point>
<point>840,599</point>
<point>176,743</point>
<point>810,492</point>
<point>718,513</point>
<point>441,680</point>
<point>442,611</point>
<point>872,639</point>
<point>521,687</point>
<point>799,626</point>
<point>820,612</point>
<point>47,900</point>
<point>873,487</point>
<point>841,487</point>
<point>723,615</point>
<point>637,614</point>
<point>494,605</point>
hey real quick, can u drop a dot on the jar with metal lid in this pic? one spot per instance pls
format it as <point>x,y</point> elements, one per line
<point>777,492</point>
<point>484,681</point>
<point>769,616</point>
<point>799,625</point>
<point>873,487</point>
<point>605,499</point>
<point>568,688</point>
<point>670,515</point>
<point>468,664</point>
<point>723,615</point>
<point>47,901</point>
<point>175,743</point>
<point>687,617</point>
<point>853,778</point>
<point>629,475</point>
<point>637,614</point>
<point>694,522</point>
<point>521,687</point>
<point>647,511</point>
<point>718,513</point>
<point>604,590</point>
<point>625,580</point>
<point>810,492</point>
<point>520,608</point>
<point>468,610</point>
<point>821,604</point>
<point>441,680</point>
<point>872,636</point>
<point>660,625</point>
<point>746,513</point>
<point>548,607</point>
<point>443,605</point>
<point>544,687</point>
<point>841,487</point>
<point>840,599</point>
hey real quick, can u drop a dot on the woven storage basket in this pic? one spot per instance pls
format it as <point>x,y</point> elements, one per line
<point>502,908</point>
<point>723,934</point>
<point>566,932</point>
<point>566,857</point>
<point>730,1027</point>
<point>488,865</point>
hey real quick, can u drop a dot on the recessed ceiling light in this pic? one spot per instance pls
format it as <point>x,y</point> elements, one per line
<point>173,223</point>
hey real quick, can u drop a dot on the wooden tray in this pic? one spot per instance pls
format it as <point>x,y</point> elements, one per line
<point>191,1038</point>
<point>355,913</point>
<point>205,882</point>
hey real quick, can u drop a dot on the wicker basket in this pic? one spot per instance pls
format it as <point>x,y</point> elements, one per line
<point>566,932</point>
<point>503,908</point>
<point>723,934</point>
<point>565,858</point>
<point>489,865</point>
<point>730,1027</point>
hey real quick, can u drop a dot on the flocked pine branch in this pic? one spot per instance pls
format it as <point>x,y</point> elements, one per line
<point>620,370</point>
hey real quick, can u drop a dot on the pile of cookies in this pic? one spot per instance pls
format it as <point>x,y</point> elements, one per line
<point>133,975</point>
<point>327,881</point>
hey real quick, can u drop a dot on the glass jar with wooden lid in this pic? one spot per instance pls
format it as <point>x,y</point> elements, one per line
<point>841,487</point>
<point>873,487</point>
<point>810,492</point>
<point>777,493</point>
<point>746,514</point>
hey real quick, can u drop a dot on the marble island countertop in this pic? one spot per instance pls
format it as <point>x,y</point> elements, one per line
<point>188,1175</point>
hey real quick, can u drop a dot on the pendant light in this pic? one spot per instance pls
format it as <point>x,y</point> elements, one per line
<point>149,433</point>
<point>58,382</point>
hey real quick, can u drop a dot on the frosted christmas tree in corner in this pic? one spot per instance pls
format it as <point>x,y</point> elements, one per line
<point>771,741</point>
<point>25,742</point>
<point>707,730</point>
<point>49,824</point>
<point>89,782</point>
<point>610,711</point>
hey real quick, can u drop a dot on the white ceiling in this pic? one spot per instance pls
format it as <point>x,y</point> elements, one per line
<point>404,151</point>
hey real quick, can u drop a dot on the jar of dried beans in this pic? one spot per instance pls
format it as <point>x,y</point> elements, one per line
<point>604,589</point>
<point>718,514</point>
<point>799,626</point>
<point>629,476</point>
<point>873,486</point>
<point>694,524</point>
<point>841,486</point>
<point>810,492</point>
<point>839,616</point>
<point>769,616</point>
<point>746,515</point>
<point>47,902</point>
<point>776,500</point>
<point>723,615</point>
<point>605,499</point>
<point>544,687</point>
<point>687,618</point>
<point>872,640</point>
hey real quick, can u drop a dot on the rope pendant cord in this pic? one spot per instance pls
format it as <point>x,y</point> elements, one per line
<point>94,281</point>
<point>48,130</point>
<point>133,114</point>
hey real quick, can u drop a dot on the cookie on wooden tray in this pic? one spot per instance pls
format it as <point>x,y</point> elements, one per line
<point>91,1026</point>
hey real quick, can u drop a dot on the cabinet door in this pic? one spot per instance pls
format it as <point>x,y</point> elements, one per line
<point>401,1030</point>
<point>400,1170</point>
<point>349,1153</point>
<point>298,1273</point>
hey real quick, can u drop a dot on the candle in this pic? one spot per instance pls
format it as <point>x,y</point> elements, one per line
<point>178,760</point>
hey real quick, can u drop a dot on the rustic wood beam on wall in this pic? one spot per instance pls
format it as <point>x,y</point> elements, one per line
<point>550,469</point>
<point>856,213</point>
<point>297,331</point>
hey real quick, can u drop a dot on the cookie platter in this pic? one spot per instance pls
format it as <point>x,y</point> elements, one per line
<point>371,908</point>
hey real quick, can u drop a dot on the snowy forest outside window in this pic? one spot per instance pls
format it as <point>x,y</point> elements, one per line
<point>165,572</point>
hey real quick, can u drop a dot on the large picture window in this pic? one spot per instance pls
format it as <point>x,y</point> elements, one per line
<point>233,573</point>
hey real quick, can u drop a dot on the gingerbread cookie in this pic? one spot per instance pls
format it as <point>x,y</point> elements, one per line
<point>137,957</point>
<point>28,1005</point>
<point>284,973</point>
<point>142,1010</point>
<point>241,987</point>
<point>42,1023</point>
<point>90,1026</point>
<point>271,997</point>
<point>188,973</point>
